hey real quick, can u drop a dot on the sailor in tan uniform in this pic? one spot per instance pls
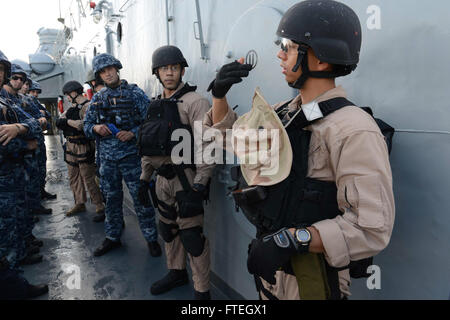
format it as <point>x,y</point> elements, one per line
<point>340,211</point>
<point>180,189</point>
<point>79,152</point>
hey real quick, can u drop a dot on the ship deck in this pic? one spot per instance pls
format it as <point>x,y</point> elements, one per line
<point>70,268</point>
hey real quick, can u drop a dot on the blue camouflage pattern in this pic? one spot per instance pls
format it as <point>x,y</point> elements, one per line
<point>16,69</point>
<point>31,106</point>
<point>34,129</point>
<point>35,86</point>
<point>33,186</point>
<point>47,115</point>
<point>110,147</point>
<point>12,211</point>
<point>26,178</point>
<point>103,61</point>
<point>120,160</point>
<point>4,60</point>
<point>111,174</point>
<point>13,178</point>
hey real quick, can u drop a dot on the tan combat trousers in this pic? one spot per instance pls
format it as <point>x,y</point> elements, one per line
<point>80,176</point>
<point>175,252</point>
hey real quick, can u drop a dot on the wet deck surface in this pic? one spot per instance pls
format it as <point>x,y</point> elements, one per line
<point>69,266</point>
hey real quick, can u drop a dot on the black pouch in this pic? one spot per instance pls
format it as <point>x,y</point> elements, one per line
<point>358,269</point>
<point>190,203</point>
<point>167,171</point>
<point>249,195</point>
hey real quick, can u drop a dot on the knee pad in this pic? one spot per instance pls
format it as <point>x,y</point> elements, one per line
<point>166,231</point>
<point>193,240</point>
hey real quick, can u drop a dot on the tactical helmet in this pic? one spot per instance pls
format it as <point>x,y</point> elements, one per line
<point>35,86</point>
<point>72,86</point>
<point>330,28</point>
<point>166,55</point>
<point>16,69</point>
<point>103,61</point>
<point>4,60</point>
<point>90,76</point>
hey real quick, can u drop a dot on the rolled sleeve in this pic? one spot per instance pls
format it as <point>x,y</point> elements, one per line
<point>336,250</point>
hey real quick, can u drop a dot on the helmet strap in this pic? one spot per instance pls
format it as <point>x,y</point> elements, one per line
<point>302,61</point>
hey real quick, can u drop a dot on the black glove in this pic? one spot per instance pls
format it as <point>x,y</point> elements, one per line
<point>267,255</point>
<point>199,188</point>
<point>61,123</point>
<point>228,75</point>
<point>143,194</point>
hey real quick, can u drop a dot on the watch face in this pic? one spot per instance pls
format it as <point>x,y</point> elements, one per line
<point>303,236</point>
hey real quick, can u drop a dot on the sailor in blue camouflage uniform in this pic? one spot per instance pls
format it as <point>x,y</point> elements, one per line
<point>32,106</point>
<point>17,137</point>
<point>33,94</point>
<point>27,253</point>
<point>114,117</point>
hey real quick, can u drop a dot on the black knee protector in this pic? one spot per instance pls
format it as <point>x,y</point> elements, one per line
<point>166,231</point>
<point>193,240</point>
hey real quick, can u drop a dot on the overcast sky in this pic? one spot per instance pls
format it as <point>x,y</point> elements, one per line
<point>21,19</point>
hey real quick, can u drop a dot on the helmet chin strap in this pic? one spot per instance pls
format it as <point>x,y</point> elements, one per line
<point>302,62</point>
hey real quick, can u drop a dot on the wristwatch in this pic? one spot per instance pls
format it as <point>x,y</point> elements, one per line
<point>303,239</point>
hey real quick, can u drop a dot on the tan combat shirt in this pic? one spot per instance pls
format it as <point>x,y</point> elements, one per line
<point>347,147</point>
<point>191,108</point>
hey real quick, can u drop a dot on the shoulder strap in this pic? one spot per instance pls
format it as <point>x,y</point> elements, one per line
<point>186,88</point>
<point>332,105</point>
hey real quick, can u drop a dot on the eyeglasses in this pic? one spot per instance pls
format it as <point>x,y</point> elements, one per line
<point>174,68</point>
<point>18,78</point>
<point>286,44</point>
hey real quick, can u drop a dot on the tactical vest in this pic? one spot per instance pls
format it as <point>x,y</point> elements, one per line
<point>162,119</point>
<point>118,108</point>
<point>72,113</point>
<point>9,116</point>
<point>297,201</point>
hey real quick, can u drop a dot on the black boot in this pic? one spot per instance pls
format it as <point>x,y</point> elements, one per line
<point>42,210</point>
<point>31,259</point>
<point>202,295</point>
<point>107,246</point>
<point>13,286</point>
<point>36,291</point>
<point>33,241</point>
<point>35,219</point>
<point>155,248</point>
<point>99,218</point>
<point>173,279</point>
<point>47,196</point>
<point>32,250</point>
